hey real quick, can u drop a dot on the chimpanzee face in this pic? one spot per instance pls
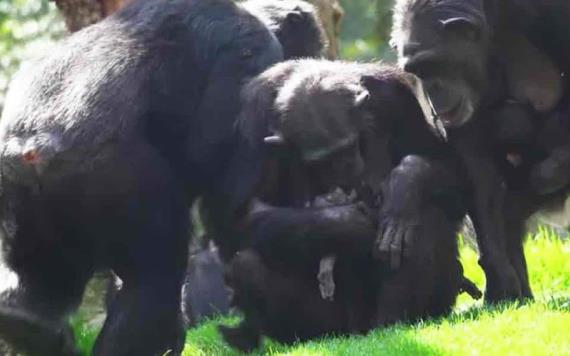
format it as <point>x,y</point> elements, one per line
<point>449,55</point>
<point>322,118</point>
<point>341,168</point>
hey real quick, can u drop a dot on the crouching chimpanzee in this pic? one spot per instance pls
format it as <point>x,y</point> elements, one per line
<point>105,144</point>
<point>331,125</point>
<point>459,50</point>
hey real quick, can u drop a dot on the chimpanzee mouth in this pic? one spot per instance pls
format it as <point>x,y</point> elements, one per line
<point>451,117</point>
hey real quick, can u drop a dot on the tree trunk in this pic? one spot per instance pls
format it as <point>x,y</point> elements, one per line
<point>82,13</point>
<point>331,14</point>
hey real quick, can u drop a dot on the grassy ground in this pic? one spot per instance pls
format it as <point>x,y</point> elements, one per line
<point>538,328</point>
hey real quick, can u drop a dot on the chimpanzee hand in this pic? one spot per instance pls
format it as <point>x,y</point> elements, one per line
<point>336,197</point>
<point>395,238</point>
<point>326,277</point>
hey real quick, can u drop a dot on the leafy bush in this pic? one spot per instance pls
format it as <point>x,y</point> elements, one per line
<point>27,28</point>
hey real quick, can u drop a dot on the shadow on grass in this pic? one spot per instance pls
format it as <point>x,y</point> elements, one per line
<point>395,340</point>
<point>400,339</point>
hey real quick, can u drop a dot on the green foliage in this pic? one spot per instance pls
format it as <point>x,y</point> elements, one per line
<point>366,30</point>
<point>27,28</point>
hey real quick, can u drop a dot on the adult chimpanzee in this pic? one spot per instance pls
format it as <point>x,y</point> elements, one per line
<point>295,23</point>
<point>105,143</point>
<point>459,48</point>
<point>335,124</point>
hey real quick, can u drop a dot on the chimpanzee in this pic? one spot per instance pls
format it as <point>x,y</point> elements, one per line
<point>295,24</point>
<point>106,141</point>
<point>297,27</point>
<point>459,49</point>
<point>331,125</point>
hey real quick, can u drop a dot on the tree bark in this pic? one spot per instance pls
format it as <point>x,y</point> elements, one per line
<point>331,14</point>
<point>82,13</point>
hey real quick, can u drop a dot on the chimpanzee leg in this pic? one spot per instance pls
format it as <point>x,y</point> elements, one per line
<point>282,303</point>
<point>518,209</point>
<point>487,213</point>
<point>246,276</point>
<point>52,275</point>
<point>143,212</point>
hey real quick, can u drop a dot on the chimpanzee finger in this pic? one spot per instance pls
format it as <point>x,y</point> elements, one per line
<point>378,241</point>
<point>409,240</point>
<point>385,242</point>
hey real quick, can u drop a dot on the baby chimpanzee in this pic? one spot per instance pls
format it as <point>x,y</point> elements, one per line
<point>536,145</point>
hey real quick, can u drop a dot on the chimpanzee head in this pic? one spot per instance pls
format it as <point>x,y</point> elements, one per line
<point>445,44</point>
<point>321,116</point>
<point>295,23</point>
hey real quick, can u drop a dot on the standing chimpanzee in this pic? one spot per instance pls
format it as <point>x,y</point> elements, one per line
<point>106,142</point>
<point>330,125</point>
<point>296,25</point>
<point>460,50</point>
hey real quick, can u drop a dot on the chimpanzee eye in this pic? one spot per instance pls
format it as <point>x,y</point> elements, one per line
<point>246,53</point>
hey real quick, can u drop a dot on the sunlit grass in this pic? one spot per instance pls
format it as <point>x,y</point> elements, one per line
<point>538,328</point>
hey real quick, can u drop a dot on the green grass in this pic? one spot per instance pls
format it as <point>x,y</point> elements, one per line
<point>538,328</point>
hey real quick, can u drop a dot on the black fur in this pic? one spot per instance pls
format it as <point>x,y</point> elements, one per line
<point>296,25</point>
<point>105,144</point>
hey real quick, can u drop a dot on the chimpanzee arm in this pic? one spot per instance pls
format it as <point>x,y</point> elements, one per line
<point>310,232</point>
<point>409,188</point>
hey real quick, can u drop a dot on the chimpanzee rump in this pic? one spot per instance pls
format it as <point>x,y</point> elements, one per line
<point>106,141</point>
<point>331,124</point>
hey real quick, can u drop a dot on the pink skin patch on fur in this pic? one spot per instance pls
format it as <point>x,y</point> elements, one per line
<point>31,157</point>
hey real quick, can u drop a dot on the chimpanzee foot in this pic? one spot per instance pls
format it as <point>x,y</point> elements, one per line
<point>243,338</point>
<point>326,277</point>
<point>395,240</point>
<point>30,335</point>
<point>470,288</point>
<point>503,285</point>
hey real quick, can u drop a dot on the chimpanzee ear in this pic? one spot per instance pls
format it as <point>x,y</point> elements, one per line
<point>462,26</point>
<point>362,98</point>
<point>274,141</point>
